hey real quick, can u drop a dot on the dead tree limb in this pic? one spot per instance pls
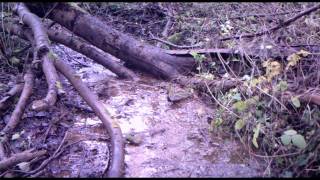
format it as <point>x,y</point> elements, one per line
<point>149,58</point>
<point>20,107</point>
<point>20,157</point>
<point>41,52</point>
<point>117,161</point>
<point>79,45</point>
<point>41,38</point>
<point>279,26</point>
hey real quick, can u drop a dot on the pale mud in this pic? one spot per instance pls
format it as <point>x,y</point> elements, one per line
<point>174,138</point>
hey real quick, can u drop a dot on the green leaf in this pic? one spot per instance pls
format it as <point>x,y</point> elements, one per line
<point>282,86</point>
<point>290,132</point>
<point>298,140</point>
<point>240,106</point>
<point>239,124</point>
<point>286,139</point>
<point>295,101</point>
<point>256,135</point>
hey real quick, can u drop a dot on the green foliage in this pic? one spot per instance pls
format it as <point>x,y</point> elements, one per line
<point>295,101</point>
<point>291,136</point>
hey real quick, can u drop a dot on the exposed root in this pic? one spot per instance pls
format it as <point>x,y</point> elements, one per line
<point>117,161</point>
<point>20,157</point>
<point>20,107</point>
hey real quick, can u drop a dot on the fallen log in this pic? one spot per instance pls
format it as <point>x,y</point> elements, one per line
<point>79,45</point>
<point>149,58</point>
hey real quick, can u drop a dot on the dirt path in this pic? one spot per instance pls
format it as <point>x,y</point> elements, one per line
<point>164,139</point>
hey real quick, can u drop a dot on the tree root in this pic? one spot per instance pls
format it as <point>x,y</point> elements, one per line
<point>19,109</point>
<point>117,161</point>
<point>20,157</point>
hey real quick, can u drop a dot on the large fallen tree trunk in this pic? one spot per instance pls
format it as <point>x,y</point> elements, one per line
<point>149,58</point>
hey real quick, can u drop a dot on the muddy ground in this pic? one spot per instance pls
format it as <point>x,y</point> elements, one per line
<point>163,138</point>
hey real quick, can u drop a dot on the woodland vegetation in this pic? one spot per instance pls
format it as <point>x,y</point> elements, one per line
<point>257,63</point>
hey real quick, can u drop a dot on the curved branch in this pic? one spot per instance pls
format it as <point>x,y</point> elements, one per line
<point>40,36</point>
<point>117,161</point>
<point>20,107</point>
<point>42,49</point>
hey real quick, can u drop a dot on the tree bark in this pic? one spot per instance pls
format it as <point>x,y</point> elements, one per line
<point>79,45</point>
<point>149,58</point>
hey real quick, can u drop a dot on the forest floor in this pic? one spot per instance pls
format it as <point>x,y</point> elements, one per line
<point>219,134</point>
<point>163,138</point>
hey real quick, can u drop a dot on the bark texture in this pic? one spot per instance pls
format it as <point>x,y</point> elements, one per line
<point>149,58</point>
<point>79,45</point>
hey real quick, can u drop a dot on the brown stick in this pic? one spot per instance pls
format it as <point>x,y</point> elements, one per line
<point>51,75</point>
<point>42,49</point>
<point>117,161</point>
<point>284,24</point>
<point>20,107</point>
<point>20,157</point>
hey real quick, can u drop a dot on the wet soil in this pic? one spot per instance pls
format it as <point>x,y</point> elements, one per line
<point>163,138</point>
